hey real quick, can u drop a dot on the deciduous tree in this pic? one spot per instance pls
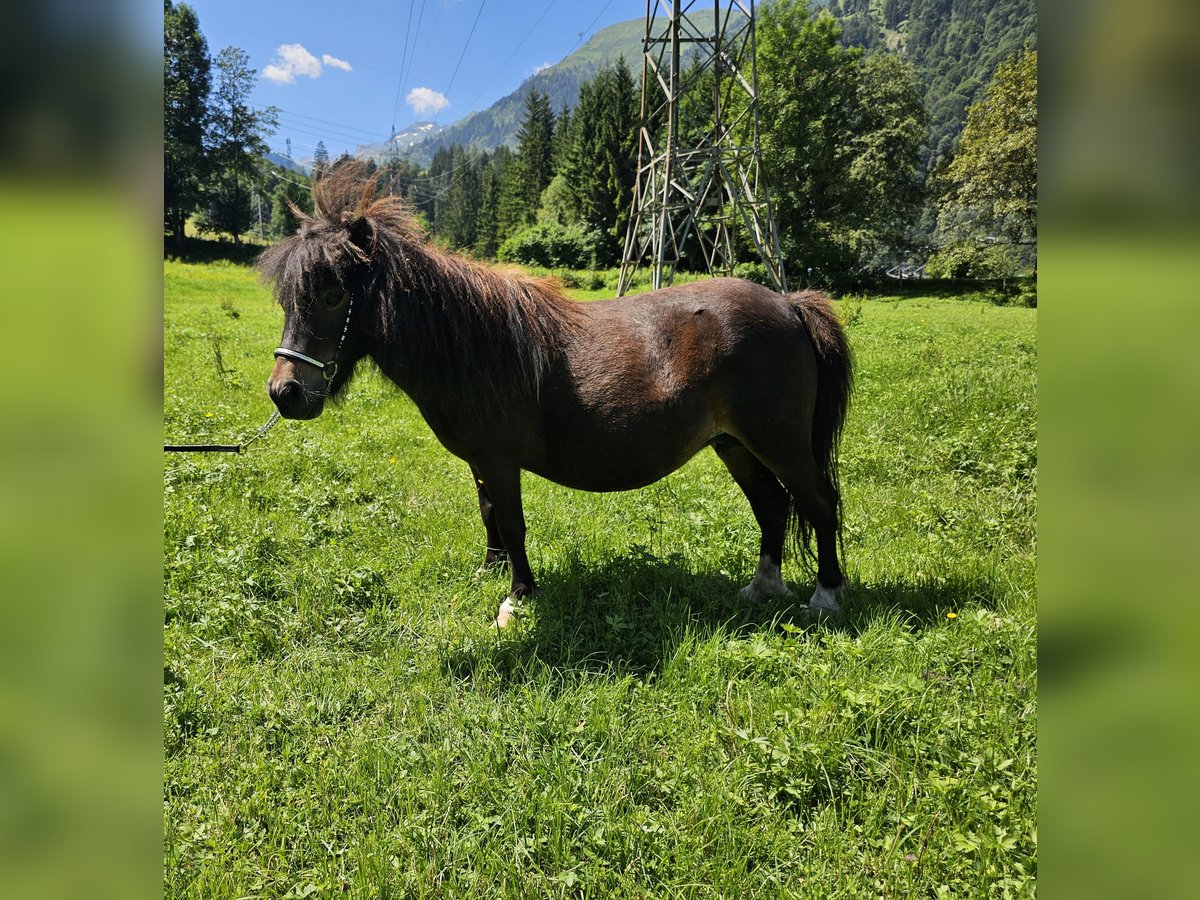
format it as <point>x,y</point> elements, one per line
<point>841,138</point>
<point>993,176</point>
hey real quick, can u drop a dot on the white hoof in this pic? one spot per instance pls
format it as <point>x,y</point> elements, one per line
<point>508,612</point>
<point>825,599</point>
<point>767,582</point>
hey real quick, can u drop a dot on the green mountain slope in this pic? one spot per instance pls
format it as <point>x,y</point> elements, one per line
<point>955,45</point>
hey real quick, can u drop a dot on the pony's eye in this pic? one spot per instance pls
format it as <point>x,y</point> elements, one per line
<point>332,299</point>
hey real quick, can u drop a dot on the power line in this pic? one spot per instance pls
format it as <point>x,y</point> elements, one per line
<point>338,125</point>
<point>403,58</point>
<point>324,132</point>
<point>520,44</point>
<point>432,31</point>
<point>462,55</point>
<point>296,128</point>
<point>299,184</point>
<point>583,33</point>
<point>406,71</point>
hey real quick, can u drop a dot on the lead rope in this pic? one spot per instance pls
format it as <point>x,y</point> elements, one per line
<point>225,448</point>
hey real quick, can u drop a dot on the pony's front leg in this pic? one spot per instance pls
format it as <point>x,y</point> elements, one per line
<point>495,556</point>
<point>503,486</point>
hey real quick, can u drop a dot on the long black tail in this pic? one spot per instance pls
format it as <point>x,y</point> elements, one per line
<point>835,380</point>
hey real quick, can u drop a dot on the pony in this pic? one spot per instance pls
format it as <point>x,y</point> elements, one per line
<point>608,395</point>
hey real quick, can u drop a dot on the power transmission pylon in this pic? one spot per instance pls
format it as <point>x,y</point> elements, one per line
<point>698,180</point>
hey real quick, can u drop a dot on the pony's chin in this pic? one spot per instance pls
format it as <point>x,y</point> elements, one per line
<point>301,413</point>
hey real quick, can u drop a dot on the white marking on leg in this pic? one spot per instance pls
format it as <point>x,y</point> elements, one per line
<point>825,599</point>
<point>767,581</point>
<point>508,612</point>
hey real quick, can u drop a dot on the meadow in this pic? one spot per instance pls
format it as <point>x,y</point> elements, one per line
<point>340,720</point>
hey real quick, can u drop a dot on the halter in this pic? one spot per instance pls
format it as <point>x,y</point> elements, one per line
<point>328,369</point>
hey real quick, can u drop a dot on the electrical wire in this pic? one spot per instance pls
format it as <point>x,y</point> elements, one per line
<point>463,55</point>
<point>583,33</point>
<point>519,45</point>
<point>403,59</point>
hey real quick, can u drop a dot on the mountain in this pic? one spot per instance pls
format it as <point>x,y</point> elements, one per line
<point>955,46</point>
<point>400,142</point>
<point>284,162</point>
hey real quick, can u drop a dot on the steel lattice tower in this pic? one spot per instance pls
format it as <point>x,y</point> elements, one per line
<point>697,180</point>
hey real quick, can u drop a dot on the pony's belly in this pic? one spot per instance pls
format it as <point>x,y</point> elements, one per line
<point>614,466</point>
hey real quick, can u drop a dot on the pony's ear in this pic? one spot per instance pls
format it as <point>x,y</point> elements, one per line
<point>362,237</point>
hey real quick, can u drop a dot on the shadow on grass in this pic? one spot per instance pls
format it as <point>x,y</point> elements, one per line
<point>922,603</point>
<point>1017,291</point>
<point>629,615</point>
<point>202,250</point>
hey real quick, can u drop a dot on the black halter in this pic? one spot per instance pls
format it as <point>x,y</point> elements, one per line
<point>328,369</point>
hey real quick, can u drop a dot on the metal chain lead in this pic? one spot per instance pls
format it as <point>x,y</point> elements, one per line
<point>263,429</point>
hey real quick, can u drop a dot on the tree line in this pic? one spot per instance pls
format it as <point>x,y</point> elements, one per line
<point>844,134</point>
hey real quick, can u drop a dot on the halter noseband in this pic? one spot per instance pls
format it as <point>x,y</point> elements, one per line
<point>328,369</point>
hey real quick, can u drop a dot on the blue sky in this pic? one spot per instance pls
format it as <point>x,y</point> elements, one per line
<point>343,73</point>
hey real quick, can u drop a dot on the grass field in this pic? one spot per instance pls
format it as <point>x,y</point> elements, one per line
<point>339,720</point>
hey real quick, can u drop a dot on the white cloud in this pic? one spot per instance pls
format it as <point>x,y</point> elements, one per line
<point>541,68</point>
<point>425,100</point>
<point>293,60</point>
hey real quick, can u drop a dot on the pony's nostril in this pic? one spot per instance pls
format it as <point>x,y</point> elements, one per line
<point>286,392</point>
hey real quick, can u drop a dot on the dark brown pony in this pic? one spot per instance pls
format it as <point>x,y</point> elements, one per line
<point>601,396</point>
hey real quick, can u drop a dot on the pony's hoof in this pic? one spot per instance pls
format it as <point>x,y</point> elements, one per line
<point>506,615</point>
<point>825,600</point>
<point>767,582</point>
<point>756,593</point>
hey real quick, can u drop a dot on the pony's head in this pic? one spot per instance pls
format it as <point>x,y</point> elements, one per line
<point>327,277</point>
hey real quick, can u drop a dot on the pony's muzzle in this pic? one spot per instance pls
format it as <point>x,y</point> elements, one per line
<point>292,397</point>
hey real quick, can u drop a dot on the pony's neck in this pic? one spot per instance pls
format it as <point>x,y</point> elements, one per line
<point>457,333</point>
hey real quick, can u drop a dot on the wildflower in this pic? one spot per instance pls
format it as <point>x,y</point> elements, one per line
<point>951,615</point>
<point>391,459</point>
<point>208,415</point>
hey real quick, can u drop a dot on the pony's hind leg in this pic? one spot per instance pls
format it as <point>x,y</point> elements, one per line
<point>816,503</point>
<point>495,556</point>
<point>769,502</point>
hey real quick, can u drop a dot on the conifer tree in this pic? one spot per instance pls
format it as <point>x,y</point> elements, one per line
<point>187,81</point>
<point>534,165</point>
<point>320,160</point>
<point>238,134</point>
<point>458,206</point>
<point>601,156</point>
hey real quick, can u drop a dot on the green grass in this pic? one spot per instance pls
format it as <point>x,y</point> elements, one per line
<point>339,720</point>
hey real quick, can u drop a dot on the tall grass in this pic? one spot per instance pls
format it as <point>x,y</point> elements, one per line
<point>338,718</point>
